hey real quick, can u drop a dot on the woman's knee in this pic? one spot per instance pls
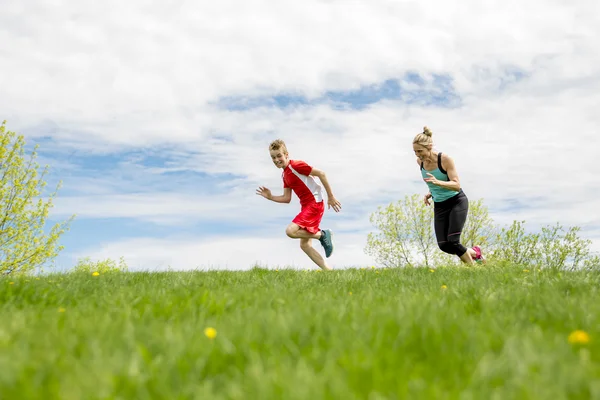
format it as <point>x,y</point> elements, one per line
<point>446,247</point>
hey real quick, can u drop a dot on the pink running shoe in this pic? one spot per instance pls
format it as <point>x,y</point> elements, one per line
<point>478,255</point>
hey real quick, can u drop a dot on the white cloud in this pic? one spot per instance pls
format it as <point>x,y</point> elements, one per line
<point>104,77</point>
<point>166,208</point>
<point>140,74</point>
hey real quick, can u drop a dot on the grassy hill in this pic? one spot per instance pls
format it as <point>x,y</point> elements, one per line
<point>493,332</point>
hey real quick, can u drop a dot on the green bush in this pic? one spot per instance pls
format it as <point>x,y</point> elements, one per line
<point>101,266</point>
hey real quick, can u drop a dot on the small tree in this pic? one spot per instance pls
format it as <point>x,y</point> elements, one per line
<point>553,247</point>
<point>406,236</point>
<point>592,261</point>
<point>23,243</point>
<point>514,245</point>
<point>392,245</point>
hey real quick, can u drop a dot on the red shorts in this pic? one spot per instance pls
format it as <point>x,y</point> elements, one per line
<point>310,216</point>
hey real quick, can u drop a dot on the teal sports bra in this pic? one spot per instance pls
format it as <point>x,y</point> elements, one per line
<point>437,192</point>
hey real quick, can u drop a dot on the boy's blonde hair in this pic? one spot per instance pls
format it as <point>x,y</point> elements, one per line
<point>278,144</point>
<point>424,138</point>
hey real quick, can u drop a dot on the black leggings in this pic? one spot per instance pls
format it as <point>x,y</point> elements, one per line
<point>449,219</point>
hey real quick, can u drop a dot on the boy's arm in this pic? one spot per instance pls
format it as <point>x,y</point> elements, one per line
<point>331,200</point>
<point>286,197</point>
<point>266,193</point>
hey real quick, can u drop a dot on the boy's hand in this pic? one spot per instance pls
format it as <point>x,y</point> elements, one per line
<point>264,192</point>
<point>332,202</point>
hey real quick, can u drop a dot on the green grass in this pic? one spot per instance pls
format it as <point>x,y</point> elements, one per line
<point>493,333</point>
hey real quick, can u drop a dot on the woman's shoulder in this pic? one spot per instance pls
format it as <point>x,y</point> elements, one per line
<point>446,159</point>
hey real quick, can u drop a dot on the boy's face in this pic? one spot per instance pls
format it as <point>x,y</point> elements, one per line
<point>279,157</point>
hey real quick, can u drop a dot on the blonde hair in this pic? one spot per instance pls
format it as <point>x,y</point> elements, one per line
<point>424,138</point>
<point>278,144</point>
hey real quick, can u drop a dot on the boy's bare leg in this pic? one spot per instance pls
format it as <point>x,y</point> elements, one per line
<point>295,232</point>
<point>306,246</point>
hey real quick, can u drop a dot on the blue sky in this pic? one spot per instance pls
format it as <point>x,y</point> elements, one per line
<point>408,89</point>
<point>157,119</point>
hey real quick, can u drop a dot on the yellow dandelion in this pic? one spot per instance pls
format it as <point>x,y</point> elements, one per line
<point>579,337</point>
<point>525,270</point>
<point>444,287</point>
<point>61,309</point>
<point>372,267</point>
<point>96,273</point>
<point>210,333</point>
<point>350,293</point>
<point>11,283</point>
<point>432,270</point>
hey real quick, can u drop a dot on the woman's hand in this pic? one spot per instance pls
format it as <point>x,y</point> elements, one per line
<point>426,198</point>
<point>431,179</point>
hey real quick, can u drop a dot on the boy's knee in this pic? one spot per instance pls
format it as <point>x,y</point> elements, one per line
<point>291,231</point>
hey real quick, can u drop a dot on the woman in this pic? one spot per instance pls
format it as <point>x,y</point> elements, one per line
<point>450,203</point>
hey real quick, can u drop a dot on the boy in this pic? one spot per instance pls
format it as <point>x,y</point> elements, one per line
<point>298,176</point>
